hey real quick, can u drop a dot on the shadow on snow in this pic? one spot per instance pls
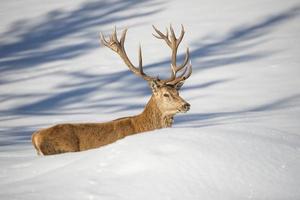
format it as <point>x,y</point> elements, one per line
<point>41,40</point>
<point>204,56</point>
<point>231,48</point>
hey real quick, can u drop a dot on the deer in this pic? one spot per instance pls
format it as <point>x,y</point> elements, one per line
<point>158,113</point>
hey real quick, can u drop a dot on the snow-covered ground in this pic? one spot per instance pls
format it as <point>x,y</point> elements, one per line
<point>240,140</point>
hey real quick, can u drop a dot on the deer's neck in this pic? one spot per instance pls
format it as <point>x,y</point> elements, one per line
<point>152,118</point>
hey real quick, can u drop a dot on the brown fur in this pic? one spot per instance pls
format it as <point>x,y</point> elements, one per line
<point>78,137</point>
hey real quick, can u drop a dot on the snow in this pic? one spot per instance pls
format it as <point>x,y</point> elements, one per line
<point>240,140</point>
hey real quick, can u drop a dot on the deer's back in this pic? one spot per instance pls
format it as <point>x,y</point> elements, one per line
<point>78,137</point>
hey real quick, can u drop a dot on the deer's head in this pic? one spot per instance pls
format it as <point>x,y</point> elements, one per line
<point>167,98</point>
<point>165,92</point>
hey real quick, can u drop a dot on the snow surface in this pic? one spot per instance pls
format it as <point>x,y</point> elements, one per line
<point>240,140</point>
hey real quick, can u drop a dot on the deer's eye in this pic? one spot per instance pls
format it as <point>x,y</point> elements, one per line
<point>166,95</point>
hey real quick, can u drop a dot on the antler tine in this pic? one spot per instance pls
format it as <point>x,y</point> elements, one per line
<point>122,40</point>
<point>186,60</point>
<point>140,60</point>
<point>186,66</point>
<point>183,76</point>
<point>176,41</point>
<point>173,36</point>
<point>181,35</point>
<point>118,46</point>
<point>108,42</point>
<point>162,36</point>
<point>190,71</point>
<point>173,42</point>
<point>176,69</point>
<point>183,73</point>
<point>167,33</point>
<point>114,35</point>
<point>103,40</point>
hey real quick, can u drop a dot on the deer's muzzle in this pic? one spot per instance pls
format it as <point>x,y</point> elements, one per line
<point>185,107</point>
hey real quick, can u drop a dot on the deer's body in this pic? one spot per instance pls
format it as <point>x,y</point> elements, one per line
<point>63,138</point>
<point>164,103</point>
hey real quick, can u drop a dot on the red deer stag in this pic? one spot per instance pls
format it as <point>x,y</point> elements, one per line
<point>164,103</point>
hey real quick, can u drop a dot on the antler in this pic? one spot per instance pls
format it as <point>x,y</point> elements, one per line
<point>173,43</point>
<point>118,46</point>
<point>186,68</point>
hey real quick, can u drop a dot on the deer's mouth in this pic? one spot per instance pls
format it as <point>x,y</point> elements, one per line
<point>184,108</point>
<point>183,111</point>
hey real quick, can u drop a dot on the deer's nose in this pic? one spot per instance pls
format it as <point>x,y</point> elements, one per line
<point>186,106</point>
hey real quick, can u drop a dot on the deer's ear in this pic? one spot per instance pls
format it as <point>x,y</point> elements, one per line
<point>154,85</point>
<point>179,85</point>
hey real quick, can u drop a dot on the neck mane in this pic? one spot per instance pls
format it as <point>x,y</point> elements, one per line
<point>152,117</point>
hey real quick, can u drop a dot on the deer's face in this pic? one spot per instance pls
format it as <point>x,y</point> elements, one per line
<point>168,99</point>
